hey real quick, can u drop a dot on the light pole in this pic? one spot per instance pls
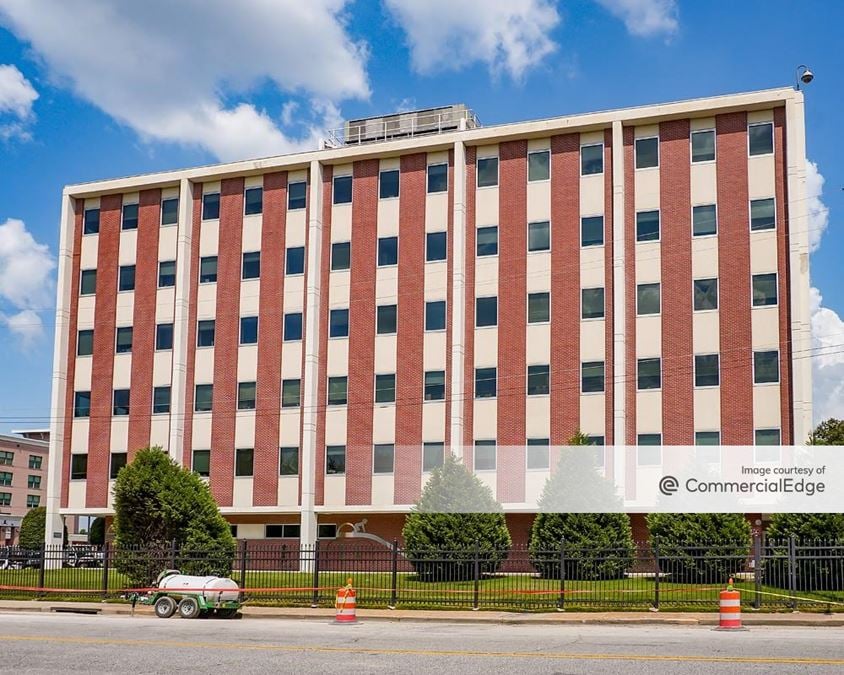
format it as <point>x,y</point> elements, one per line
<point>804,75</point>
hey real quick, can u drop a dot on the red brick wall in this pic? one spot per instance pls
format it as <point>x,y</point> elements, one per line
<point>630,312</point>
<point>469,324</point>
<point>609,321</point>
<point>226,340</point>
<point>411,322</point>
<point>102,371</point>
<point>449,300</point>
<point>512,322</point>
<point>322,385</point>
<point>190,363</point>
<point>676,273</point>
<point>144,314</point>
<point>270,309</point>
<point>734,280</point>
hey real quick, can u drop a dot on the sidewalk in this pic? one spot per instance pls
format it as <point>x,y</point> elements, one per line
<point>480,617</point>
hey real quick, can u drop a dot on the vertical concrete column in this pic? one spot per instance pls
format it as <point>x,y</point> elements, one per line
<point>458,299</point>
<point>618,300</point>
<point>181,313</point>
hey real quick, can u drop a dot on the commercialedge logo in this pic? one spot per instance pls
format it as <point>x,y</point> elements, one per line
<point>669,485</point>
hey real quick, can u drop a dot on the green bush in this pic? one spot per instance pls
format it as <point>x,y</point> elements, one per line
<point>455,520</point>
<point>32,528</point>
<point>700,547</point>
<point>818,567</point>
<point>165,516</point>
<point>97,534</point>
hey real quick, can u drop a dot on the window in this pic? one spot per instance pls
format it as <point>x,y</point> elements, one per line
<point>707,438</point>
<point>434,385</point>
<point>647,153</point>
<point>295,261</point>
<point>32,501</point>
<point>647,299</point>
<point>649,454</point>
<point>487,171</point>
<point>126,278</point>
<point>291,394</point>
<point>204,398</point>
<point>211,206</point>
<point>435,246</point>
<point>767,437</point>
<point>335,459</point>
<point>164,336</point>
<point>437,178</point>
<point>88,282</point>
<point>342,190</point>
<point>539,307</point>
<point>591,159</point>
<point>121,402</point>
<point>383,455</point>
<point>246,396</point>
<point>388,184</point>
<point>5,498</point>
<point>251,265</point>
<point>288,462</point>
<point>705,294</point>
<point>762,214</point>
<point>537,453</point>
<point>704,220</point>
<point>766,367</point>
<point>486,312</point>
<point>538,380</point>
<point>592,377</point>
<point>592,303</point>
<point>707,370</point>
<point>648,373</point>
<point>118,461</point>
<point>385,321</point>
<point>85,342</point>
<point>764,290</point>
<point>248,330</point>
<point>296,195</point>
<point>338,390</point>
<point>253,199</point>
<point>338,323</point>
<point>205,333</point>
<point>293,326</point>
<point>167,274</point>
<point>326,531</point>
<point>170,211</point>
<point>385,388</point>
<point>244,459</point>
<point>124,340</point>
<point>485,455</point>
<point>341,255</point>
<point>91,221</point>
<point>201,462</point>
<point>82,404</point>
<point>539,165</point>
<point>487,243</point>
<point>647,226</point>
<point>539,236</point>
<point>78,467</point>
<point>592,231</point>
<point>435,315</point>
<point>432,456</point>
<point>35,461</point>
<point>290,531</point>
<point>703,145</point>
<point>388,251</point>
<point>761,138</point>
<point>160,400</point>
<point>6,478</point>
<point>485,382</point>
<point>208,269</point>
<point>130,217</point>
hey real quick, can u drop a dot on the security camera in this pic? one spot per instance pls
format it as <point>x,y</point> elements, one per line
<point>807,76</point>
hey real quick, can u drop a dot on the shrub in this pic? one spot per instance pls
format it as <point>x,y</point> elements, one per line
<point>455,519</point>
<point>828,432</point>
<point>97,534</point>
<point>32,528</point>
<point>819,565</point>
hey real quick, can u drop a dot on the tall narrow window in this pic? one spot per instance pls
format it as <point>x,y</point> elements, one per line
<point>292,327</point>
<point>647,299</point>
<point>486,312</point>
<point>383,455</point>
<point>766,367</point>
<point>388,251</point>
<point>211,206</point>
<point>647,153</point>
<point>126,278</point>
<point>201,462</point>
<point>763,215</point>
<point>385,388</point>
<point>537,453</point>
<point>170,211</point>
<point>592,231</point>
<point>342,190</point>
<point>434,385</point>
<point>485,455</point>
<point>130,217</point>
<point>291,393</point>
<point>167,274</point>
<point>205,333</point>
<point>295,261</point>
<point>118,461</point>
<point>435,246</point>
<point>244,459</point>
<point>335,459</point>
<point>288,461</point>
<point>385,322</point>
<point>435,315</point>
<point>761,138</point>
<point>539,236</point>
<point>539,307</point>
<point>432,456</point>
<point>208,269</point>
<point>246,396</point>
<point>703,145</point>
<point>160,400</point>
<point>203,398</point>
<point>704,221</point>
<point>123,342</point>
<point>487,171</point>
<point>253,199</point>
<point>85,342</point>
<point>591,159</point>
<point>485,382</point>
<point>649,373</point>
<point>296,195</point>
<point>120,402</point>
<point>91,221</point>
<point>592,377</point>
<point>164,336</point>
<point>249,330</point>
<point>538,380</point>
<point>592,303</point>
<point>764,289</point>
<point>82,404</point>
<point>388,184</point>
<point>251,265</point>
<point>707,372</point>
<point>539,165</point>
<point>705,294</point>
<point>338,323</point>
<point>341,255</point>
<point>338,390</point>
<point>647,226</point>
<point>88,282</point>
<point>437,178</point>
<point>487,241</point>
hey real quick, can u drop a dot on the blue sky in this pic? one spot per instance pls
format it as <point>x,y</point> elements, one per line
<point>106,88</point>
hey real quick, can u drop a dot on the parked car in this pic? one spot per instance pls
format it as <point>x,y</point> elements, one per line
<point>83,556</point>
<point>16,558</point>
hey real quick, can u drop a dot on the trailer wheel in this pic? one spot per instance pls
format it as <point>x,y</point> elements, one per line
<point>165,607</point>
<point>189,608</point>
<point>227,613</point>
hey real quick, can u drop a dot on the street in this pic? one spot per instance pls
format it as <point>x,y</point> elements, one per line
<point>48,643</point>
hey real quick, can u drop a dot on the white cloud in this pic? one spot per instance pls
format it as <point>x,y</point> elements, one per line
<point>178,71</point>
<point>818,211</point>
<point>827,360</point>
<point>26,279</point>
<point>16,98</point>
<point>506,35</point>
<point>645,18</point>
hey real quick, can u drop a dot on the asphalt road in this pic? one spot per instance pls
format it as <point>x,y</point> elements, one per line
<point>49,643</point>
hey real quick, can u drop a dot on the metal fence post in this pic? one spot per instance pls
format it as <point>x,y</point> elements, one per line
<point>792,569</point>
<point>561,603</point>
<point>106,567</point>
<point>315,582</point>
<point>656,572</point>
<point>244,556</point>
<point>757,569</point>
<point>42,566</point>
<point>395,579</point>
<point>477,575</point>
<point>173,553</point>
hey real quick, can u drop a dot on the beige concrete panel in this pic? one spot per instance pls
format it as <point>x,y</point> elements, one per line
<point>485,418</point>
<point>766,406</point>
<point>206,301</point>
<point>538,416</point>
<point>592,195</point>
<point>490,479</point>
<point>591,137</point>
<point>593,340</point>
<point>88,252</point>
<point>436,212</point>
<point>535,144</point>
<point>707,409</point>
<point>124,311</point>
<point>294,293</point>
<point>765,327</point>
<point>250,531</point>
<point>288,491</point>
<point>291,360</point>
<point>706,332</point>
<point>486,276</point>
<point>647,189</point>
<point>209,237</point>
<point>486,206</point>
<point>131,197</point>
<point>250,292</point>
<point>242,492</point>
<point>204,365</point>
<point>289,427</point>
<point>86,312</point>
<point>244,428</point>
<point>486,347</point>
<point>704,183</point>
<point>592,273</point>
<point>297,176</point>
<point>534,484</point>
<point>120,433</point>
<point>649,412</point>
<point>538,343</point>
<point>335,490</point>
<point>433,421</point>
<point>338,356</point>
<point>210,187</point>
<point>436,281</point>
<point>700,123</point>
<point>76,494</point>
<point>79,437</point>
<point>335,427</point>
<point>110,496</point>
<point>169,192</point>
<point>439,157</point>
<point>127,254</point>
<point>165,304</point>
<point>388,217</point>
<point>648,336</point>
<point>539,200</point>
<point>383,489</point>
<point>592,414</point>
<point>385,354</point>
<point>339,289</point>
<point>434,350</point>
<point>341,222</point>
<point>648,262</point>
<point>384,423</point>
<point>162,368</point>
<point>760,177</point>
<point>92,203</point>
<point>82,373</point>
<point>646,131</point>
<point>704,258</point>
<point>294,228</point>
<point>159,431</point>
<point>389,163</point>
<point>122,375</point>
<point>247,363</point>
<point>201,431</point>
<point>386,285</point>
<point>251,237</point>
<point>760,116</point>
<point>538,271</point>
<point>763,252</point>
<point>253,181</point>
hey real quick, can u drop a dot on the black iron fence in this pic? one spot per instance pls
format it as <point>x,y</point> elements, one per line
<point>773,575</point>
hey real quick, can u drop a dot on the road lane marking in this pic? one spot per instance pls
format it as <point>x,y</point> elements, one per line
<point>571,656</point>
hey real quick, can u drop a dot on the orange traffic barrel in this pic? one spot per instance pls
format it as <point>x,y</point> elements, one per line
<point>346,604</point>
<point>730,609</point>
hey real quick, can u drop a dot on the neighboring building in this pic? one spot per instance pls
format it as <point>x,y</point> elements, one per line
<point>23,482</point>
<point>311,331</point>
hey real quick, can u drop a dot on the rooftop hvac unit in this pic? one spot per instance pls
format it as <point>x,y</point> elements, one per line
<point>407,124</point>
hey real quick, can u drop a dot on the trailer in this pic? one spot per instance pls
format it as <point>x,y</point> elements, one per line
<point>193,597</point>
